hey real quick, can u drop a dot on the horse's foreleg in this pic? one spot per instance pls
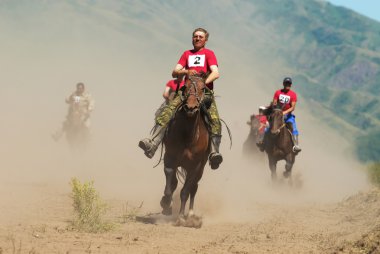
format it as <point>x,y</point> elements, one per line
<point>193,191</point>
<point>272,167</point>
<point>171,185</point>
<point>288,167</point>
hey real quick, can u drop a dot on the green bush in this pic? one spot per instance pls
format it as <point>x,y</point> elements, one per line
<point>374,173</point>
<point>89,209</point>
<point>368,147</point>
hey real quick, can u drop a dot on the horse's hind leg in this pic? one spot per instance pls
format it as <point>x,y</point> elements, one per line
<point>171,185</point>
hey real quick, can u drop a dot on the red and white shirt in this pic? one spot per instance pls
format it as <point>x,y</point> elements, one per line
<point>200,61</point>
<point>284,98</point>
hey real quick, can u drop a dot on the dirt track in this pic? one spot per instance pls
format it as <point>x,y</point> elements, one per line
<point>39,225</point>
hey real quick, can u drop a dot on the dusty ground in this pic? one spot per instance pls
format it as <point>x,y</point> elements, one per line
<point>39,224</point>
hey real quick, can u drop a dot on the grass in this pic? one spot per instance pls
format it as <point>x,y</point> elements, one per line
<point>374,173</point>
<point>89,209</point>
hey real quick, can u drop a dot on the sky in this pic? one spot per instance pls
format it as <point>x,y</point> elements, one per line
<point>369,8</point>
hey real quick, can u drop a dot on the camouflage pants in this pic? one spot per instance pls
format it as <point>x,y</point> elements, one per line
<point>167,113</point>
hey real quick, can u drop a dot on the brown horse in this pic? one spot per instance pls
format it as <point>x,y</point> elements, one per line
<point>186,146</point>
<point>249,146</point>
<point>77,133</point>
<point>278,143</point>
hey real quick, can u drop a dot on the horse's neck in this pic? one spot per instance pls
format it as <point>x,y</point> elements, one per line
<point>189,125</point>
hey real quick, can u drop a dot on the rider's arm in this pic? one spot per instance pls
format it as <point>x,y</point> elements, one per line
<point>180,71</point>
<point>291,109</point>
<point>69,99</point>
<point>166,93</point>
<point>213,75</point>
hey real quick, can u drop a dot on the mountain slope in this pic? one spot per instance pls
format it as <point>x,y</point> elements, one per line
<point>332,53</point>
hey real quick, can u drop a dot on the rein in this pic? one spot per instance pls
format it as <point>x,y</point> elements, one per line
<point>279,129</point>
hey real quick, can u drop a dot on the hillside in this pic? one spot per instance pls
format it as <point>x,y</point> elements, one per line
<point>331,52</point>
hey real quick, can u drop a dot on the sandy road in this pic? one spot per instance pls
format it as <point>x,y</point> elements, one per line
<point>39,225</point>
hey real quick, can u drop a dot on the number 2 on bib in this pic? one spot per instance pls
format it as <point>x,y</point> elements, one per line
<point>196,61</point>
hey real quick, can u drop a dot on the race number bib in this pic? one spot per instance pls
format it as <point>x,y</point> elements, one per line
<point>76,99</point>
<point>196,61</point>
<point>284,99</point>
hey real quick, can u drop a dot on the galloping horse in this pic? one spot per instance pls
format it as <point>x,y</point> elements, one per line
<point>278,143</point>
<point>186,145</point>
<point>249,145</point>
<point>77,133</point>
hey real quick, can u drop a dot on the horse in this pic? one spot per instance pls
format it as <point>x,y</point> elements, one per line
<point>278,143</point>
<point>249,146</point>
<point>187,145</point>
<point>77,133</point>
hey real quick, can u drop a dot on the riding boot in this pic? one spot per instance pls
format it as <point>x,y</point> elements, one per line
<point>296,148</point>
<point>150,145</point>
<point>215,157</point>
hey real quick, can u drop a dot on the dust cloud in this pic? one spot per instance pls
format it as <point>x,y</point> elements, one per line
<point>125,71</point>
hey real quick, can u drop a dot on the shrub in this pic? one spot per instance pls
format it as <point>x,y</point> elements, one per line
<point>374,173</point>
<point>89,209</point>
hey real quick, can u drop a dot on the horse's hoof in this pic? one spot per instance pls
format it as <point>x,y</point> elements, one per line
<point>167,211</point>
<point>215,160</point>
<point>180,221</point>
<point>287,174</point>
<point>165,202</point>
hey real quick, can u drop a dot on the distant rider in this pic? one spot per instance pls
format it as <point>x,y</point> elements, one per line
<point>80,102</point>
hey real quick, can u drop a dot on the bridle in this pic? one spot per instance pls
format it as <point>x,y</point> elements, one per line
<point>193,83</point>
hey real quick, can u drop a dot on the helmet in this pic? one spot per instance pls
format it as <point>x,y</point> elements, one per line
<point>262,108</point>
<point>287,81</point>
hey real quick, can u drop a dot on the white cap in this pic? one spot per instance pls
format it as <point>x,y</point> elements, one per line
<point>262,107</point>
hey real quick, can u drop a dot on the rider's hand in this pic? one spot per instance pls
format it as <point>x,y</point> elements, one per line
<point>191,72</point>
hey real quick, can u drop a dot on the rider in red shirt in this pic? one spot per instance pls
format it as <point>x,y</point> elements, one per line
<point>287,99</point>
<point>191,63</point>
<point>171,88</point>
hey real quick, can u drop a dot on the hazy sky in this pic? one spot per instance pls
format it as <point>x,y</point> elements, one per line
<point>369,8</point>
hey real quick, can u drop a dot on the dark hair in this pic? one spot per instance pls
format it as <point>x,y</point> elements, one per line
<point>202,30</point>
<point>80,84</point>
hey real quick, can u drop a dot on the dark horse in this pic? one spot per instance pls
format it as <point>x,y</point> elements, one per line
<point>249,146</point>
<point>278,142</point>
<point>186,146</point>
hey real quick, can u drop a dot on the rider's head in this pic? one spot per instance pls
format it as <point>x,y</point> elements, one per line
<point>287,82</point>
<point>200,37</point>
<point>80,88</point>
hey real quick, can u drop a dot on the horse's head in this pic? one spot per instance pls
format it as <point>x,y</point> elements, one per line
<point>254,123</point>
<point>194,93</point>
<point>276,120</point>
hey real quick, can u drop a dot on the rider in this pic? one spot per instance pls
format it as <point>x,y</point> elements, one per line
<point>191,62</point>
<point>79,102</point>
<point>262,118</point>
<point>287,99</point>
<point>171,88</point>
